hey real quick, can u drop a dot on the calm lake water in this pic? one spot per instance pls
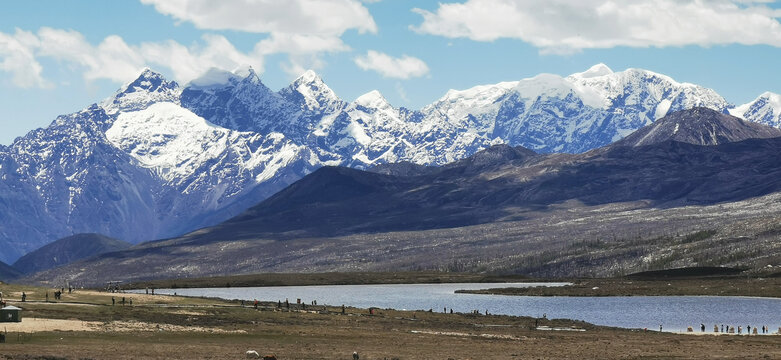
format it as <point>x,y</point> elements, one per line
<point>675,313</point>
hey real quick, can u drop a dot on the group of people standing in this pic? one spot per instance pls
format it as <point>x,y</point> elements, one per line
<point>732,330</point>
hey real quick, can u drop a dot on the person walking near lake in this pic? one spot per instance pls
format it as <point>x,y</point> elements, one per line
<point>113,301</point>
<point>702,327</point>
<point>660,327</point>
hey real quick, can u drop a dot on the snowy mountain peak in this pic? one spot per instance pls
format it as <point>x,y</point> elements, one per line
<point>311,92</point>
<point>148,88</point>
<point>772,98</point>
<point>765,109</point>
<point>594,71</point>
<point>308,76</point>
<point>149,80</point>
<point>372,99</point>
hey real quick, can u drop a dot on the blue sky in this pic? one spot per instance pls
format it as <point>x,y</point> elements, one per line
<point>57,57</point>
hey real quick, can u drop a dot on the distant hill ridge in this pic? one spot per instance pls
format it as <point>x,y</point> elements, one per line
<point>699,126</point>
<point>67,250</point>
<point>7,272</point>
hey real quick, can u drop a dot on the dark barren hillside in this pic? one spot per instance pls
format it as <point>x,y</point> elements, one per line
<point>67,250</point>
<point>699,126</point>
<point>7,272</point>
<point>671,198</point>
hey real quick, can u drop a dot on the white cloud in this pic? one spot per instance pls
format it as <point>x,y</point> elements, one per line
<point>298,44</point>
<point>303,29</point>
<point>313,17</point>
<point>404,67</point>
<point>17,57</point>
<point>565,26</point>
<point>113,58</point>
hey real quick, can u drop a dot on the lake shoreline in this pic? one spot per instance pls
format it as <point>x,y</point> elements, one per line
<point>331,278</point>
<point>717,286</point>
<point>732,285</point>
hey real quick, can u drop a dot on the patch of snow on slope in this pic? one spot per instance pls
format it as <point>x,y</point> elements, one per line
<point>459,103</point>
<point>555,86</point>
<point>740,110</point>
<point>662,109</point>
<point>168,138</point>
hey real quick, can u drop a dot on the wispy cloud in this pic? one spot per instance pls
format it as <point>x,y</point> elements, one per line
<point>303,29</point>
<point>17,57</point>
<point>404,67</point>
<point>402,93</point>
<point>312,17</point>
<point>564,26</point>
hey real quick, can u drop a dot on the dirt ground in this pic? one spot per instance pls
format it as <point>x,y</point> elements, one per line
<point>85,325</point>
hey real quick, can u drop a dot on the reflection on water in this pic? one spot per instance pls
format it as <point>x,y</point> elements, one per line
<point>675,313</point>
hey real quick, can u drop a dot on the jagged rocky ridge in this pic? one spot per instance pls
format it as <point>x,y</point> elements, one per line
<point>158,159</point>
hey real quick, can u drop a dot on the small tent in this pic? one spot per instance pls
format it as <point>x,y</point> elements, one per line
<point>10,314</point>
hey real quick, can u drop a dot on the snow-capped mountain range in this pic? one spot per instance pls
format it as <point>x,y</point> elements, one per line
<point>158,159</point>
